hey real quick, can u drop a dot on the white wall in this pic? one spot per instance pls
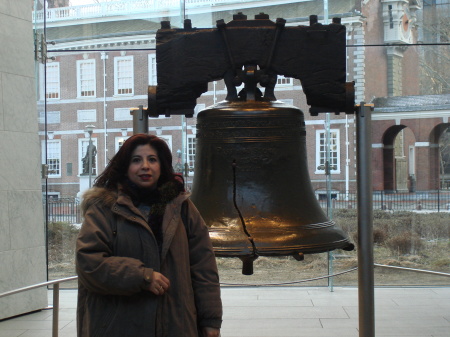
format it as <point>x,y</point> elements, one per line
<point>22,236</point>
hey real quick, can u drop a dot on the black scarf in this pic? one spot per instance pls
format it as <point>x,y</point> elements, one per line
<point>157,199</point>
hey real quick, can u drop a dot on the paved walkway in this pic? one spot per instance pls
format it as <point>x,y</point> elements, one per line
<point>288,311</point>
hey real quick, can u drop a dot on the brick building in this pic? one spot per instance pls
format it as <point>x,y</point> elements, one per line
<point>103,60</point>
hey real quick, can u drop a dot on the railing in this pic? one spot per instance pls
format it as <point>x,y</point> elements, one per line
<point>105,9</point>
<point>435,201</point>
<point>68,209</point>
<point>55,283</point>
<point>64,210</point>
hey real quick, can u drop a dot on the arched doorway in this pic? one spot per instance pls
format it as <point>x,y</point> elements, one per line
<point>399,169</point>
<point>439,160</point>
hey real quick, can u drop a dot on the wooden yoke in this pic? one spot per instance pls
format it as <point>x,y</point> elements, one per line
<point>251,52</point>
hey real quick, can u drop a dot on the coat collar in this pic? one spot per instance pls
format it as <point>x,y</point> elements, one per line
<point>123,205</point>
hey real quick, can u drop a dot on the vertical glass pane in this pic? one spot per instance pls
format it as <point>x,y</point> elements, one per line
<point>104,57</point>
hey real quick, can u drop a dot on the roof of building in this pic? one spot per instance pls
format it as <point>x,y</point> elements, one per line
<point>412,103</point>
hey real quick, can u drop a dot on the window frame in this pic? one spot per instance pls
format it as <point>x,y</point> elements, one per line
<point>92,80</point>
<point>283,81</point>
<point>118,78</point>
<point>86,112</point>
<point>122,114</point>
<point>118,142</point>
<point>47,155</point>
<point>191,141</point>
<point>54,75</point>
<point>321,154</point>
<point>152,74</point>
<point>53,117</point>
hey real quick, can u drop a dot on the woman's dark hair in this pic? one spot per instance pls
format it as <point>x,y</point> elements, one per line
<point>117,168</point>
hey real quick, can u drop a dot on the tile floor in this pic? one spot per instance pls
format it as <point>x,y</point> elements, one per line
<point>286,312</point>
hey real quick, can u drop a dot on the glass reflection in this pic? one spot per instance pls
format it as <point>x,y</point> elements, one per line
<point>103,61</point>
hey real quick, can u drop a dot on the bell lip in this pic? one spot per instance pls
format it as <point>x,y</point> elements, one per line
<point>327,224</point>
<point>344,244</point>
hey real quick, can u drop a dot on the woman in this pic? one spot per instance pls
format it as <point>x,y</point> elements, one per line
<point>144,258</point>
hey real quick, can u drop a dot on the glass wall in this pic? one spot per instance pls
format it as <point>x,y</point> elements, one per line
<point>96,60</point>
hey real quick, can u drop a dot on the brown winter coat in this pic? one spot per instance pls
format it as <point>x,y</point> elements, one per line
<point>116,248</point>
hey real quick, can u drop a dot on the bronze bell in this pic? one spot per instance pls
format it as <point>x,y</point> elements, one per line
<point>252,184</point>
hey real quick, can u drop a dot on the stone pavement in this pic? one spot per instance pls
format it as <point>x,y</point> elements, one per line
<point>288,312</point>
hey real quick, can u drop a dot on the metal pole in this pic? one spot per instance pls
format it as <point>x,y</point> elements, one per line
<point>327,166</point>
<point>55,310</point>
<point>365,222</point>
<point>140,120</point>
<point>439,199</point>
<point>347,160</point>
<point>90,158</point>
<point>328,184</point>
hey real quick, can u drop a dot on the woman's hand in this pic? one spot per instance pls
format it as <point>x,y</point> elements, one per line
<point>159,284</point>
<point>210,332</point>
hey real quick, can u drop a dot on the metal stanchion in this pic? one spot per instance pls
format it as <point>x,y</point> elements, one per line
<point>140,120</point>
<point>55,320</point>
<point>366,296</point>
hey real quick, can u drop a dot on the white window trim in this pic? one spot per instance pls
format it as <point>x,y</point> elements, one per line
<point>288,101</point>
<point>52,196</point>
<point>168,140</point>
<point>338,152</point>
<point>190,158</point>
<point>117,142</point>
<point>41,81</point>
<point>56,66</point>
<point>81,113</point>
<point>152,75</point>
<point>122,112</point>
<point>198,108</point>
<point>79,63</point>
<point>289,81</point>
<point>45,154</point>
<point>116,78</point>
<point>50,114</point>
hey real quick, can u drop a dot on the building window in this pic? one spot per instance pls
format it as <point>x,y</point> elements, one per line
<point>53,117</point>
<point>198,108</point>
<point>284,81</point>
<point>52,81</point>
<point>152,79</point>
<point>119,142</point>
<point>123,75</point>
<point>191,142</point>
<point>53,159</point>
<point>288,101</point>
<point>86,78</point>
<point>168,140</point>
<point>84,116</point>
<point>83,155</point>
<point>321,152</point>
<point>121,114</point>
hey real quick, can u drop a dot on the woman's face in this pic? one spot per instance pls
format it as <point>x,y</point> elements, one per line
<point>144,169</point>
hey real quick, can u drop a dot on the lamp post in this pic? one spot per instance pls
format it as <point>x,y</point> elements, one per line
<point>89,129</point>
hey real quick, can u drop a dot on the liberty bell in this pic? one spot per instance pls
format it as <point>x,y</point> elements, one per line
<point>252,185</point>
<point>251,182</point>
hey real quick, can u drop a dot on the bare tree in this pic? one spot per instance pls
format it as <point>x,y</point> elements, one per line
<point>444,156</point>
<point>435,61</point>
